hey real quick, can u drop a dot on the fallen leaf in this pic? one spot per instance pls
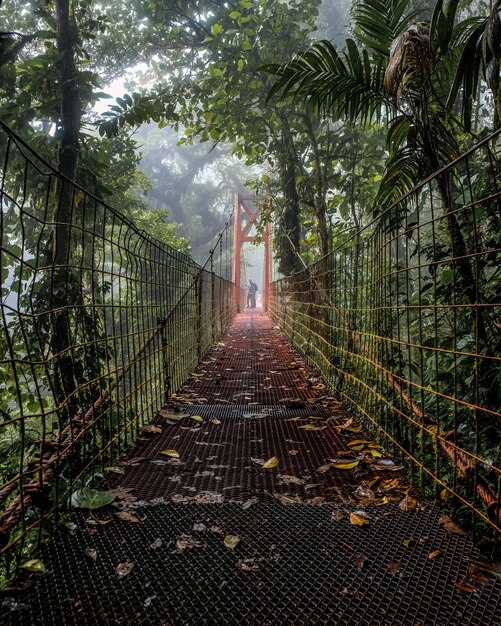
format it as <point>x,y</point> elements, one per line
<point>157,543</point>
<point>93,521</point>
<point>384,500</point>
<point>248,503</point>
<point>350,591</point>
<point>376,453</point>
<point>246,565</point>
<point>291,479</point>
<point>185,541</point>
<point>216,529</point>
<point>324,468</point>
<point>115,470</point>
<point>394,567</point>
<point>199,528</point>
<point>451,527</point>
<point>478,576</point>
<point>293,452</point>
<point>128,517</point>
<point>312,427</point>
<point>172,453</point>
<point>434,554</point>
<point>231,541</point>
<point>171,415</point>
<point>464,586</point>
<point>346,466</point>
<point>151,428</point>
<point>424,539</point>
<point>87,498</point>
<point>273,462</point>
<point>197,418</point>
<point>407,543</point>
<point>34,565</point>
<point>359,561</point>
<point>91,553</point>
<point>123,569</point>
<point>216,421</point>
<point>408,504</point>
<point>363,492</point>
<point>337,516</point>
<point>286,499</point>
<point>358,442</point>
<point>359,518</point>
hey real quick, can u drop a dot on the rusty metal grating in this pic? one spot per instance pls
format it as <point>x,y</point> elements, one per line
<point>223,458</point>
<point>305,572</point>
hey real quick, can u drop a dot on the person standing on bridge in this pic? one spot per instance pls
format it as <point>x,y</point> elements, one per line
<point>251,294</point>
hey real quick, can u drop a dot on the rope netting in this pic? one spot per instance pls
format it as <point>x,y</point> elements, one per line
<point>403,321</point>
<point>99,324</point>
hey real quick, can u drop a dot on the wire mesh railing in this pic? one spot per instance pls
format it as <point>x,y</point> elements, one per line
<point>403,320</point>
<point>99,324</point>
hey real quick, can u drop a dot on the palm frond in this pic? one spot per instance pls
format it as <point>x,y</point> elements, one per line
<point>378,22</point>
<point>348,85</point>
<point>407,165</point>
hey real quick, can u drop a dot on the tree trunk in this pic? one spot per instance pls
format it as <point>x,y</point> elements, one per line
<point>68,135</point>
<point>289,221</point>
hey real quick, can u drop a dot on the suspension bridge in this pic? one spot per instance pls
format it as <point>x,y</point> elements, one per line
<point>170,456</point>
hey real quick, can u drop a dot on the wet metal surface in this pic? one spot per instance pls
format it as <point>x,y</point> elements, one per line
<point>199,475</point>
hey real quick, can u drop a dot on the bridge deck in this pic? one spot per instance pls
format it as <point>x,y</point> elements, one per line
<point>217,537</point>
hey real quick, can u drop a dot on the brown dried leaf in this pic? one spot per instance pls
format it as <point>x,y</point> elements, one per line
<point>408,504</point>
<point>464,586</point>
<point>359,561</point>
<point>286,499</point>
<point>434,553</point>
<point>185,541</point>
<point>123,569</point>
<point>337,516</point>
<point>171,415</point>
<point>246,566</point>
<point>216,421</point>
<point>324,468</point>
<point>394,567</point>
<point>128,517</point>
<point>91,553</point>
<point>350,591</point>
<point>285,478</point>
<point>151,428</point>
<point>451,527</point>
<point>157,543</point>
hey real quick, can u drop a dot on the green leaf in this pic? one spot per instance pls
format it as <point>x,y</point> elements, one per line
<point>34,565</point>
<point>217,29</point>
<point>87,498</point>
<point>235,15</point>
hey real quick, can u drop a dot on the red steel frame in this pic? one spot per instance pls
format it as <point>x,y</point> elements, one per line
<point>245,217</point>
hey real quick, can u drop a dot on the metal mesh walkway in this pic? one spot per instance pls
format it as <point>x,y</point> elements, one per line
<point>256,500</point>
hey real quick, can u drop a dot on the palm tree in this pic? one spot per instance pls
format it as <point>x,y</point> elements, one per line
<point>409,73</point>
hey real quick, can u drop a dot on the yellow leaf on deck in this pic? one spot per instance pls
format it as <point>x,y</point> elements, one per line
<point>173,453</point>
<point>358,442</point>
<point>231,541</point>
<point>345,465</point>
<point>197,418</point>
<point>358,520</point>
<point>273,462</point>
<point>381,502</point>
<point>376,453</point>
